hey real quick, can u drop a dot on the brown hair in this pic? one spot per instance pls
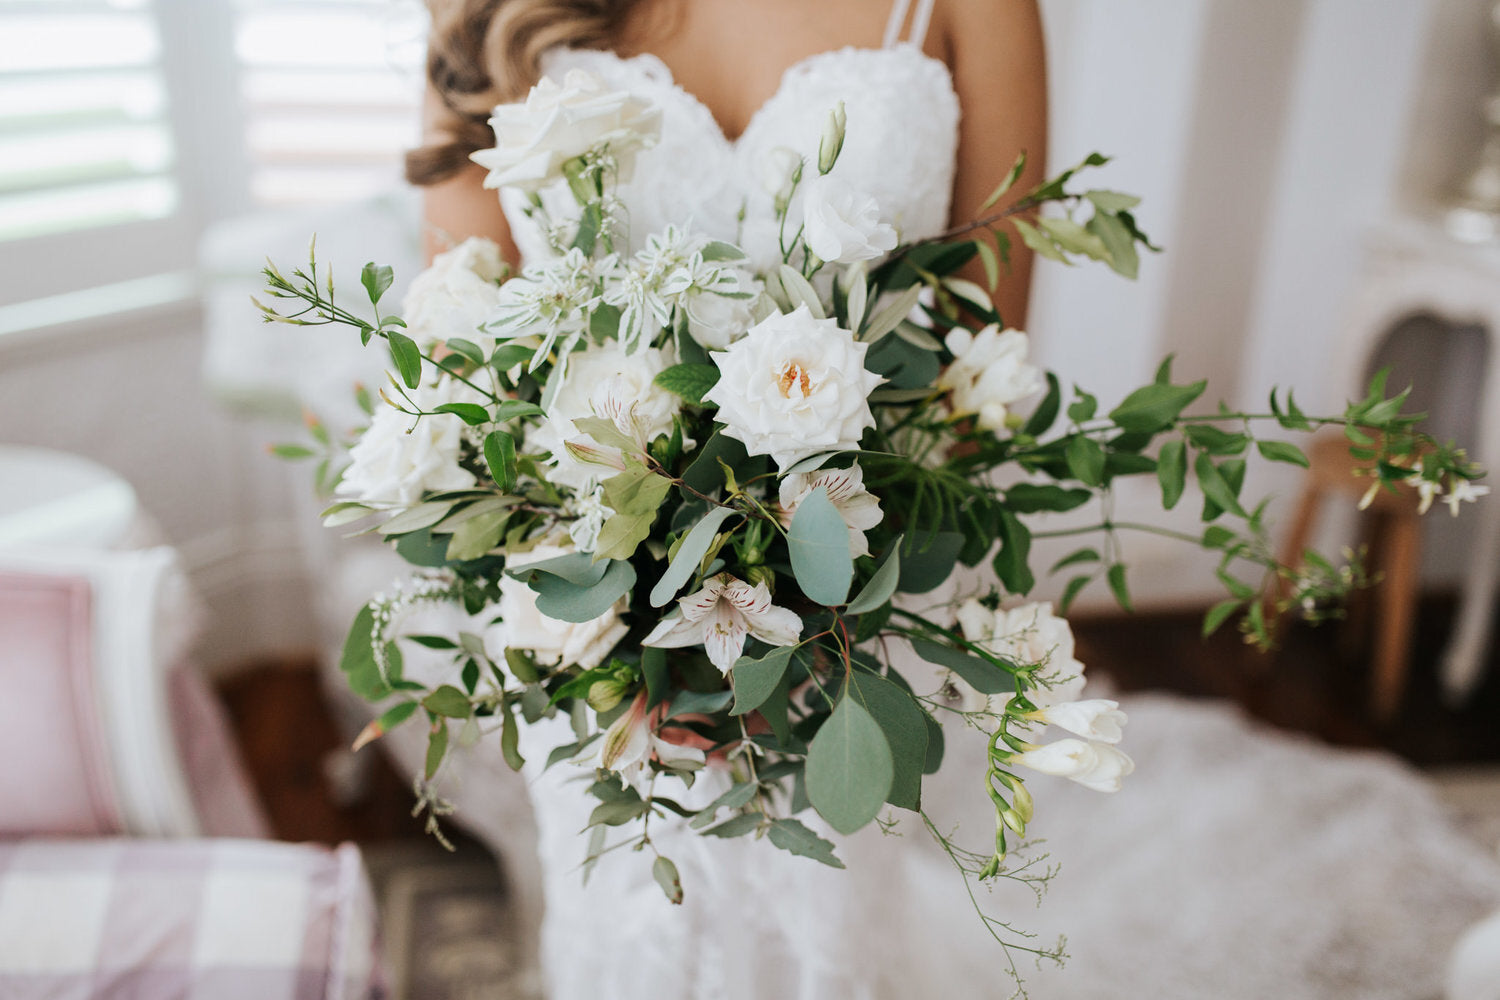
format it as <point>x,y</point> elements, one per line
<point>486,52</point>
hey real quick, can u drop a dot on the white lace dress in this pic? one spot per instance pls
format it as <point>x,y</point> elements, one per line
<point>1235,864</point>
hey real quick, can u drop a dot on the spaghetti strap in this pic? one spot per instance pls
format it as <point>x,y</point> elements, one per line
<point>895,23</point>
<point>919,22</point>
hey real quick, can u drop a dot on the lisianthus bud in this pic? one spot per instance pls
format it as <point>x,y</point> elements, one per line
<point>606,694</point>
<point>833,139</point>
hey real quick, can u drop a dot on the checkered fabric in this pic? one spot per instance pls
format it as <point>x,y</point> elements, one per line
<point>185,920</point>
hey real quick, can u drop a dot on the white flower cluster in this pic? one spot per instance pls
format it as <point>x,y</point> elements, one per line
<point>1032,634</point>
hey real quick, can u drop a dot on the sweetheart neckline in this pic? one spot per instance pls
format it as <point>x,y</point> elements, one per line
<point>667,77</point>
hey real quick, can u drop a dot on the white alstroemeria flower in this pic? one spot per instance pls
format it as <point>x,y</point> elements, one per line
<point>552,641</point>
<point>607,382</point>
<point>1462,490</point>
<point>794,386</point>
<point>457,292</point>
<point>1427,490</point>
<point>846,490</point>
<point>842,225</point>
<point>400,457</point>
<point>721,616</point>
<point>989,372</point>
<point>560,121</point>
<point>1098,766</point>
<point>630,743</point>
<point>1093,718</point>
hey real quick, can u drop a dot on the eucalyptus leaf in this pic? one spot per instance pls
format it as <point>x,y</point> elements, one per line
<point>818,542</point>
<point>791,835</point>
<point>982,675</point>
<point>566,601</point>
<point>901,720</point>
<point>423,515</point>
<point>849,768</point>
<point>666,876</point>
<point>881,585</point>
<point>449,701</point>
<point>689,554</point>
<point>755,680</point>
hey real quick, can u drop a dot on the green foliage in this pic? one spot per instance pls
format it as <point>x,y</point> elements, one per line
<point>818,542</point>
<point>690,381</point>
<point>849,768</point>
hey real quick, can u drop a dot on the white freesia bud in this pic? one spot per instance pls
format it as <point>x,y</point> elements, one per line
<point>794,386</point>
<point>1093,765</point>
<point>833,139</point>
<point>558,122</point>
<point>1094,718</point>
<point>400,457</point>
<point>552,641</point>
<point>989,372</point>
<point>721,616</point>
<point>846,491</point>
<point>458,291</point>
<point>842,225</point>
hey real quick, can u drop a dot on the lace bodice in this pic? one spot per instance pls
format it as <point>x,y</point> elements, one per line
<point>900,148</point>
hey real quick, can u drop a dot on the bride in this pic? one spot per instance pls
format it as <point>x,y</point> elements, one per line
<point>1212,874</point>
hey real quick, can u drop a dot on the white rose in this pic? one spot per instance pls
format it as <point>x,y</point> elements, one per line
<point>458,291</point>
<point>716,321</point>
<point>846,490</point>
<point>843,225</point>
<point>988,373</point>
<point>605,381</point>
<point>558,122</point>
<point>794,386</point>
<point>1028,635</point>
<point>400,457</point>
<point>551,641</point>
<point>1093,765</point>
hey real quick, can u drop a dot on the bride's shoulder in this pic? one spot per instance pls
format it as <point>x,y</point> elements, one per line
<point>975,33</point>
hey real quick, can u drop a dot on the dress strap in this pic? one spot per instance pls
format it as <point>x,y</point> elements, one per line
<point>919,22</point>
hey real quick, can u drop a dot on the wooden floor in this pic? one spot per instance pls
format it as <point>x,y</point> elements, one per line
<point>1314,684</point>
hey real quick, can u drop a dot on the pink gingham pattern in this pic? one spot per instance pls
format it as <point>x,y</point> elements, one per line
<point>185,920</point>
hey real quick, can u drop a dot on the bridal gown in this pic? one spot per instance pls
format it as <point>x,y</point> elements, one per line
<point>1233,864</point>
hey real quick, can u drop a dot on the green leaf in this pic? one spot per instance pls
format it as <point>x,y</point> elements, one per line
<point>1074,238</point>
<point>1119,244</point>
<point>437,747</point>
<point>605,433</point>
<point>376,278</point>
<point>799,291</point>
<point>698,702</point>
<point>849,768</point>
<point>423,515</point>
<point>1112,201</point>
<point>478,535</point>
<point>432,641</point>
<point>470,413</point>
<point>1074,558</point>
<point>689,381</point>
<point>1045,415</point>
<point>891,316</point>
<point>990,261</point>
<point>1085,458</point>
<point>790,835</point>
<point>510,409</point>
<point>1011,177</point>
<point>982,675</point>
<point>559,598</point>
<point>689,554</point>
<point>666,876</point>
<point>449,701</point>
<point>736,826</point>
<point>1152,408</point>
<point>737,796</point>
<point>1215,441</point>
<point>1171,472</point>
<point>1214,486</point>
<point>589,222</point>
<point>466,349</point>
<point>1029,498</point>
<point>1116,577</point>
<point>719,250</point>
<point>1217,536</point>
<point>1083,408</point>
<point>756,680</point>
<point>500,456</point>
<point>617,812</point>
<point>1013,562</point>
<point>1282,451</point>
<point>1218,614</point>
<point>357,662</point>
<point>1039,241</point>
<point>928,562</point>
<point>818,541</point>
<point>635,496</point>
<point>292,452</point>
<point>881,585</point>
<point>510,737</point>
<point>901,720</point>
<point>1071,591</point>
<point>654,669</point>
<point>406,356</point>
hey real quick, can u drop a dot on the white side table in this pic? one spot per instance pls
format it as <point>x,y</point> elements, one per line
<point>1412,268</point>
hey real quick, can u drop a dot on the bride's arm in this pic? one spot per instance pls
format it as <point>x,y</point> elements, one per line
<point>994,48</point>
<point>459,206</point>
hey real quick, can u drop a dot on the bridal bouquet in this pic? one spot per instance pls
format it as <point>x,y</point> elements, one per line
<point>688,502</point>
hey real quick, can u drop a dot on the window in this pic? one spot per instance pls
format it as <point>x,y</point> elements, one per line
<point>331,92</point>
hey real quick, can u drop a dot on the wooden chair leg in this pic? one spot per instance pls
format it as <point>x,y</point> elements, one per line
<point>1398,605</point>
